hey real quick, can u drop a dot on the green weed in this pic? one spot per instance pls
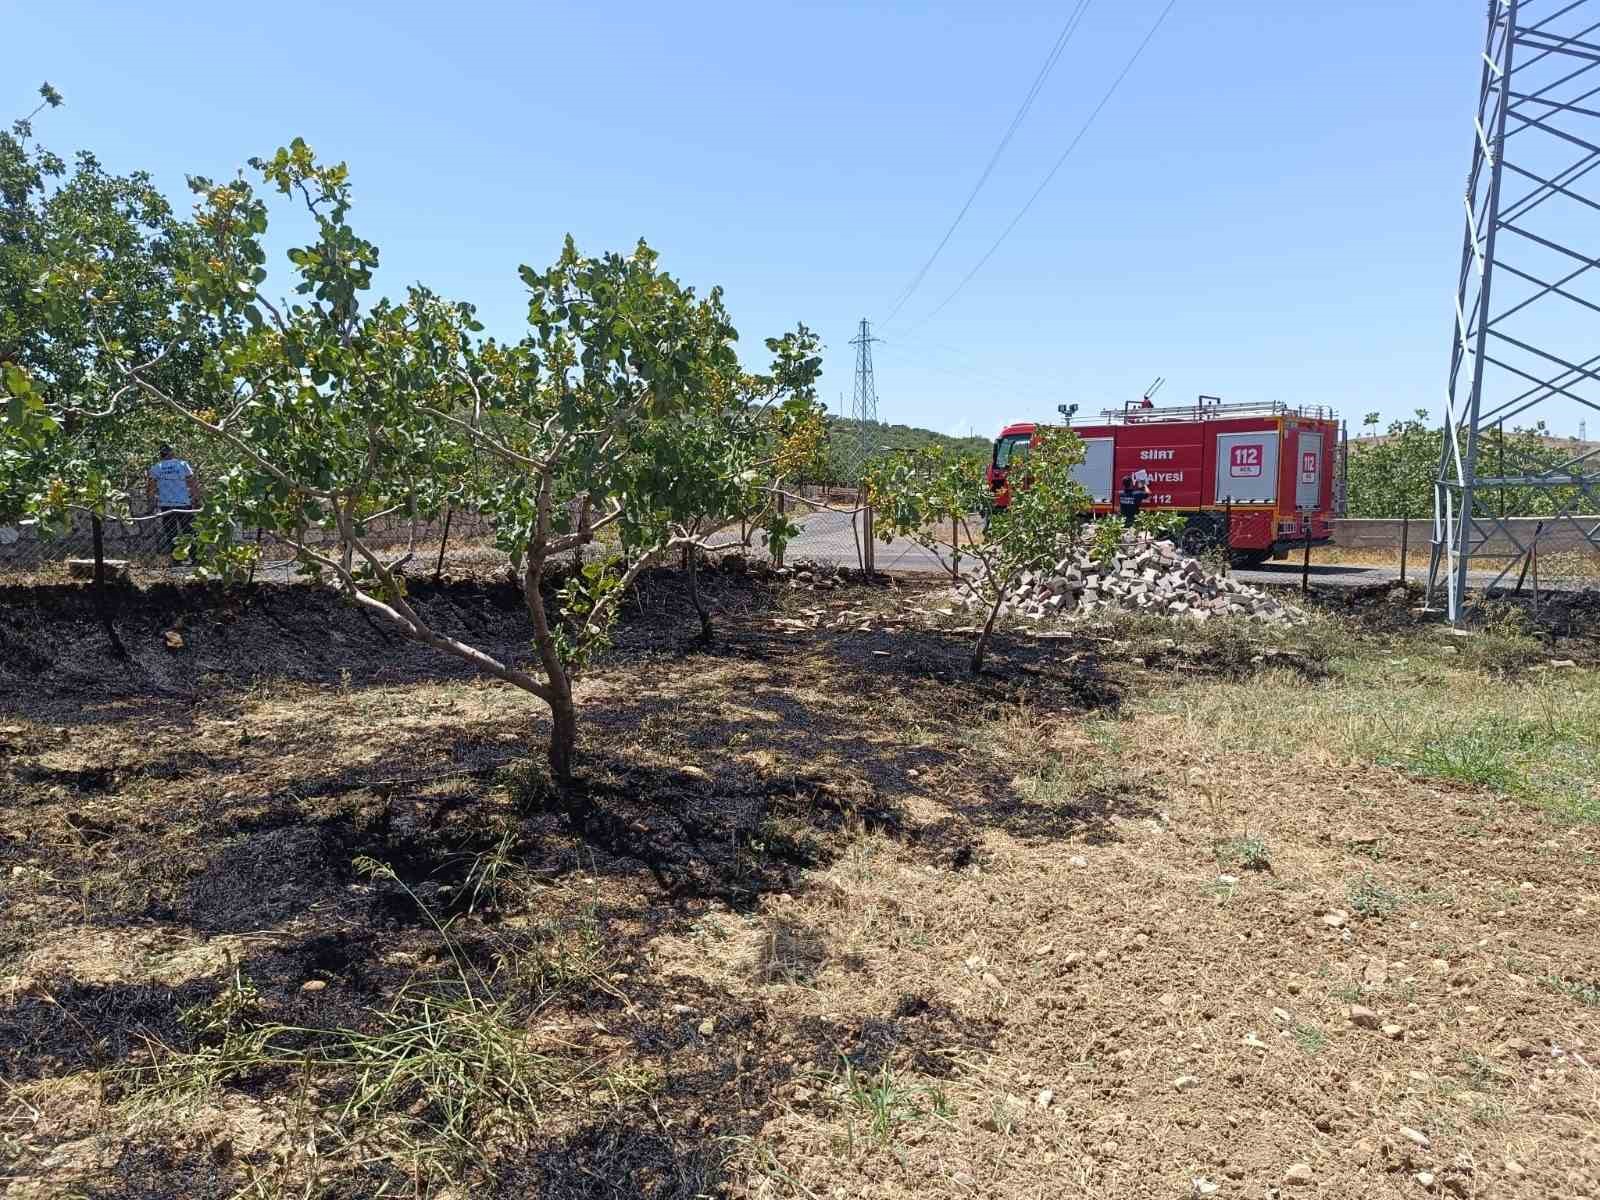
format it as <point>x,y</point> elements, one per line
<point>1582,992</point>
<point>881,1100</point>
<point>1369,898</point>
<point>1475,756</point>
<point>1248,851</point>
<point>1310,1039</point>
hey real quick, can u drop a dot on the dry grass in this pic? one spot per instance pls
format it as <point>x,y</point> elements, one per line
<point>1091,926</point>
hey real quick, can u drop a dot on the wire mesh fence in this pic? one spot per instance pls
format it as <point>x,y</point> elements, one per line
<point>148,547</point>
<point>834,529</point>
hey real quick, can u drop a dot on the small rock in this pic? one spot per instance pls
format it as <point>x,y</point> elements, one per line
<point>1363,1016</point>
<point>989,980</point>
<point>313,985</point>
<point>1299,1174</point>
<point>1204,1187</point>
<point>1184,1082</point>
<point>708,1027</point>
<point>682,1010</point>
<point>1425,1178</point>
<point>1077,860</point>
<point>1513,1167</point>
<point>1336,918</point>
<point>1282,1016</point>
<point>1044,1097</point>
<point>174,639</point>
<point>693,772</point>
<point>1251,1040</point>
<point>1415,1136</point>
<point>1227,880</point>
<point>1394,1032</point>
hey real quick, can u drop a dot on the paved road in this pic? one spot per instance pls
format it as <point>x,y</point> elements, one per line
<point>829,537</point>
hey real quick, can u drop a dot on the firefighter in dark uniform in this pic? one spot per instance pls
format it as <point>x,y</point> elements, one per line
<point>1131,499</point>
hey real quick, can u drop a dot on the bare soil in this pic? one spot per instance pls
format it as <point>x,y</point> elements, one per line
<point>1145,910</point>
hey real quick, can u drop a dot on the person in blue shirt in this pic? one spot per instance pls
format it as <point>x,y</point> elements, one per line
<point>173,491</point>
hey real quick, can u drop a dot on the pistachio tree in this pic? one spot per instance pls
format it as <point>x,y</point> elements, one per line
<point>88,279</point>
<point>605,422</point>
<point>914,493</point>
<point>725,463</point>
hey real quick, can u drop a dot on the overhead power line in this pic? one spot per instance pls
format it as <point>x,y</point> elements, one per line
<point>1051,174</point>
<point>1050,60</point>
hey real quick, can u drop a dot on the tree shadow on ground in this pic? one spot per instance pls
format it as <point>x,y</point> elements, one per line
<point>723,796</point>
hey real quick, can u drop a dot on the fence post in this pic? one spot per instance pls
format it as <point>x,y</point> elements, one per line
<point>1522,575</point>
<point>1533,553</point>
<point>1227,536</point>
<point>776,550</point>
<point>444,540</point>
<point>1305,563</point>
<point>868,557</point>
<point>251,582</point>
<point>101,600</point>
<point>1405,543</point>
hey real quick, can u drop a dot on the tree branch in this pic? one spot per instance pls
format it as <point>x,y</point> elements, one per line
<point>237,443</point>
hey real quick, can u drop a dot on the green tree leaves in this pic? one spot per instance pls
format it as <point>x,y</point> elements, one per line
<point>1393,474</point>
<point>921,494</point>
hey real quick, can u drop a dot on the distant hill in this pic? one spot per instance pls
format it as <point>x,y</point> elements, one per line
<point>844,436</point>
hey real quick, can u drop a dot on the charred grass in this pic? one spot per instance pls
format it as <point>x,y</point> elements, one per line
<point>823,912</point>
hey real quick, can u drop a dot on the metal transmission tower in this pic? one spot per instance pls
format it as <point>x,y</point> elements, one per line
<point>864,402</point>
<point>1528,353</point>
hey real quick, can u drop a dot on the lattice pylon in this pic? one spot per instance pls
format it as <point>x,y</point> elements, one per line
<point>864,400</point>
<point>1528,292</point>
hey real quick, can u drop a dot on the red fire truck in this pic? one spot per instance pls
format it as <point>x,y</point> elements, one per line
<point>1255,478</point>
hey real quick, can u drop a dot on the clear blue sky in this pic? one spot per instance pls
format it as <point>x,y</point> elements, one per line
<point>1270,206</point>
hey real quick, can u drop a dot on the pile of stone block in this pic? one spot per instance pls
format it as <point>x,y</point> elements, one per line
<point>1145,575</point>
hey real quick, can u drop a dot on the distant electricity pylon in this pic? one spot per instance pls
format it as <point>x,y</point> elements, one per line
<point>864,403</point>
<point>1532,235</point>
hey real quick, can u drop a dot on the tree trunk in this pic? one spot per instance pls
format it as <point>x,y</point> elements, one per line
<point>563,716</point>
<point>693,566</point>
<point>102,598</point>
<point>563,735</point>
<point>982,647</point>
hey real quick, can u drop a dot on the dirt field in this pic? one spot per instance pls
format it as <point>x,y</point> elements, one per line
<point>1149,910</point>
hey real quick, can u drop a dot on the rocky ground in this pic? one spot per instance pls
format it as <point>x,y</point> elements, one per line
<point>1145,575</point>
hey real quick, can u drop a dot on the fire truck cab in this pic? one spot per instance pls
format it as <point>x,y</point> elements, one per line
<point>1256,479</point>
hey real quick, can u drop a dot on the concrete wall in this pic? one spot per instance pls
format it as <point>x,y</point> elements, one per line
<point>1368,534</point>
